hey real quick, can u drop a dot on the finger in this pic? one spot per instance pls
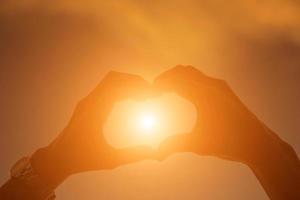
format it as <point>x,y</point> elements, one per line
<point>117,86</point>
<point>114,87</point>
<point>192,84</point>
<point>191,74</point>
<point>184,87</point>
<point>180,79</point>
<point>176,144</point>
<point>181,71</point>
<point>134,154</point>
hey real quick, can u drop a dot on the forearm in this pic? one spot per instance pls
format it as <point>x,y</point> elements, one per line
<point>277,167</point>
<point>49,168</point>
<point>37,181</point>
<point>14,189</point>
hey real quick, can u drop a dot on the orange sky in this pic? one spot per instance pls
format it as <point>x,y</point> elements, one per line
<point>52,53</point>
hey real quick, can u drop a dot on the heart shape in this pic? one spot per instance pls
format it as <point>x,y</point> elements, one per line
<point>149,122</point>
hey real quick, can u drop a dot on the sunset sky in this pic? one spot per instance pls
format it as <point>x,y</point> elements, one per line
<point>54,52</point>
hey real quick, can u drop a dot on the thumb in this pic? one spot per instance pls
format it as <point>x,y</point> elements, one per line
<point>135,154</point>
<point>176,144</point>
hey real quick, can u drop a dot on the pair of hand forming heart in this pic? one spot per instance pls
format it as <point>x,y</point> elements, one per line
<point>226,128</point>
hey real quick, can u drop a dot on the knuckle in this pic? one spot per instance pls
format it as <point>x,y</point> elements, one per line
<point>194,72</point>
<point>79,105</point>
<point>191,68</point>
<point>175,70</point>
<point>112,73</point>
<point>224,83</point>
<point>113,76</point>
<point>109,76</point>
<point>119,79</point>
<point>179,67</point>
<point>81,102</point>
<point>123,76</point>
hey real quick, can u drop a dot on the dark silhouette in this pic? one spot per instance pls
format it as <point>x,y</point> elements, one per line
<point>227,130</point>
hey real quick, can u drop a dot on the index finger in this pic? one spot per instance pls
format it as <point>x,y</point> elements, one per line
<point>114,87</point>
<point>118,86</point>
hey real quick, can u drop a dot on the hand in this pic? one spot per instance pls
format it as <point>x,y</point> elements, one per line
<point>225,127</point>
<point>81,146</point>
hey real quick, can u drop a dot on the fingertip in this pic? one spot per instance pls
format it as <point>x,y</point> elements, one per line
<point>177,143</point>
<point>174,71</point>
<point>138,153</point>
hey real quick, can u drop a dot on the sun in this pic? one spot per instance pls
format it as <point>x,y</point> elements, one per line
<point>148,122</point>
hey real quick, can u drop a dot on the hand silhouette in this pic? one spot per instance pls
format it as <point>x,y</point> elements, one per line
<point>224,128</point>
<point>81,146</point>
<point>227,129</point>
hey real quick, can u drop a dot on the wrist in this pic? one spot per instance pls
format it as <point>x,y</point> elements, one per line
<point>26,183</point>
<point>277,167</point>
<point>270,151</point>
<point>270,148</point>
<point>48,167</point>
<point>265,146</point>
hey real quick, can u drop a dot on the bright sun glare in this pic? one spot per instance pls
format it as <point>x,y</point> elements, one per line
<point>148,121</point>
